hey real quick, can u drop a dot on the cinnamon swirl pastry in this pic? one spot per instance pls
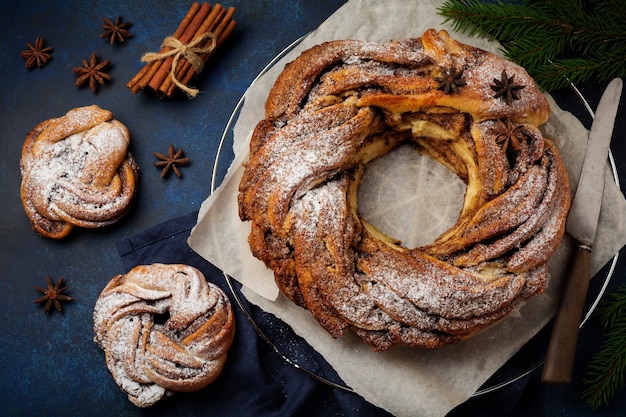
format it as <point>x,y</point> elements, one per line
<point>163,329</point>
<point>343,103</point>
<point>77,171</point>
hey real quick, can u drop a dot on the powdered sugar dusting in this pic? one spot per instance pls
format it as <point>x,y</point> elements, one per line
<point>300,188</point>
<point>78,170</point>
<point>163,328</point>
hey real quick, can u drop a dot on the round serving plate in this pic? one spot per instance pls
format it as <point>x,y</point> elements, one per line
<point>529,358</point>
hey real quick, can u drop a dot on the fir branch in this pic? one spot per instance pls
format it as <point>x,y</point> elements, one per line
<point>578,70</point>
<point>558,42</point>
<point>606,372</point>
<point>613,310</point>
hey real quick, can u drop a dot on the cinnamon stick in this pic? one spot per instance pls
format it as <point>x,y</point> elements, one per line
<point>200,19</point>
<point>206,27</point>
<point>145,74</point>
<point>164,69</point>
<point>191,72</point>
<point>222,30</point>
<point>217,28</point>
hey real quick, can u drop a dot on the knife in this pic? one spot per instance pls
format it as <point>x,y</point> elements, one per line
<point>582,222</point>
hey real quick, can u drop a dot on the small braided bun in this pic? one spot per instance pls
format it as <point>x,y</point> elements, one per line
<point>163,329</point>
<point>77,171</point>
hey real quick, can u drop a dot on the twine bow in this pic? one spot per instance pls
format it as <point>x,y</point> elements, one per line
<point>191,52</point>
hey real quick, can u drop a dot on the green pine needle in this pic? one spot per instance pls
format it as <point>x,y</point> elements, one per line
<point>562,42</point>
<point>558,42</point>
<point>606,372</point>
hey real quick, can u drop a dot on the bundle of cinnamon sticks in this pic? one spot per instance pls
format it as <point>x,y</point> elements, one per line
<point>204,25</point>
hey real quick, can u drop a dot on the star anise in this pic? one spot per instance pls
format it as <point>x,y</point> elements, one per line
<point>92,73</point>
<point>37,54</point>
<point>506,89</point>
<point>117,31</point>
<point>450,81</point>
<point>507,134</point>
<point>53,295</point>
<point>171,161</point>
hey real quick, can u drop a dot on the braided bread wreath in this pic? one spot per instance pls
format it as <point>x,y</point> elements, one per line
<point>77,171</point>
<point>163,329</point>
<point>343,103</point>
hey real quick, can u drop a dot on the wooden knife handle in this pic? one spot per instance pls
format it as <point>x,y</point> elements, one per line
<point>559,362</point>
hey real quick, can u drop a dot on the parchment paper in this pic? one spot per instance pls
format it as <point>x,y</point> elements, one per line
<point>406,382</point>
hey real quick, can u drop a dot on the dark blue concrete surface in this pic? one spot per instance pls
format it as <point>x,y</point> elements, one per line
<point>49,364</point>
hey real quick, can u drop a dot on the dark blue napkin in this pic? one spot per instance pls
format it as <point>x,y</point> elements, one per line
<point>257,380</point>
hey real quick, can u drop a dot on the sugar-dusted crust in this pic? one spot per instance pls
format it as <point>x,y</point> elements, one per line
<point>343,103</point>
<point>163,329</point>
<point>77,171</point>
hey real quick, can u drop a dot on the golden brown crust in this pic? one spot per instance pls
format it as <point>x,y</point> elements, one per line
<point>342,104</point>
<point>77,171</point>
<point>163,329</point>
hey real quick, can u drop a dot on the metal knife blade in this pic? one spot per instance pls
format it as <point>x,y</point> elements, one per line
<point>582,219</point>
<point>582,222</point>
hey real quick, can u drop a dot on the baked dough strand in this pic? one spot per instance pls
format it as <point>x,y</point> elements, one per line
<point>77,171</point>
<point>163,329</point>
<point>343,103</point>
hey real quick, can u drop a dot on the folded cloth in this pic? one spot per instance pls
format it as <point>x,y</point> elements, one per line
<point>257,380</point>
